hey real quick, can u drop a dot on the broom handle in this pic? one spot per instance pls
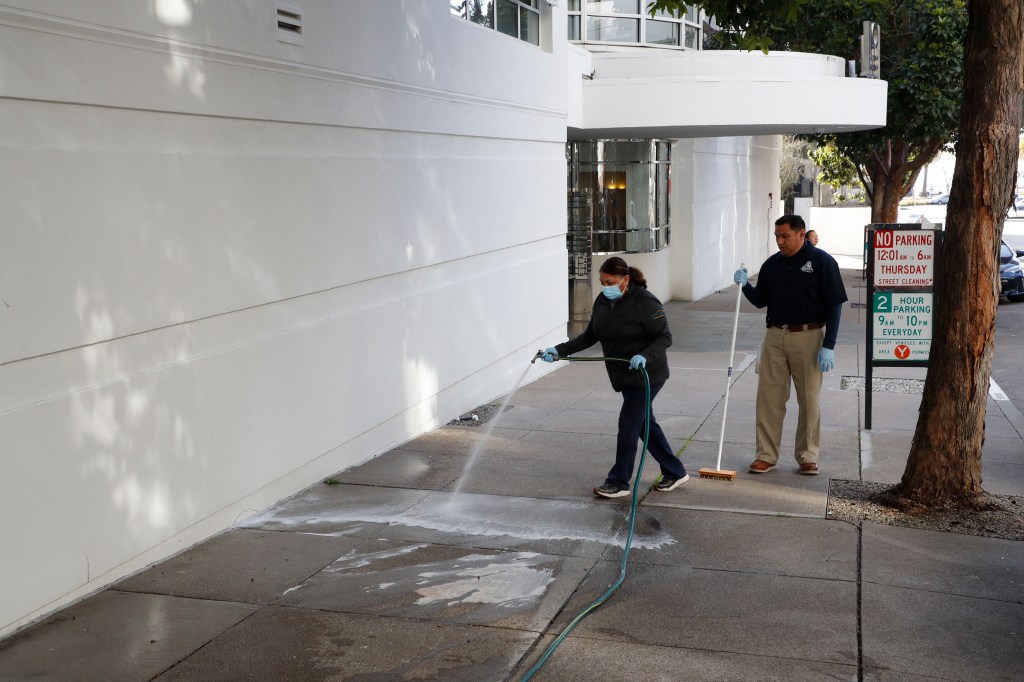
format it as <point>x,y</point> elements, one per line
<point>728,376</point>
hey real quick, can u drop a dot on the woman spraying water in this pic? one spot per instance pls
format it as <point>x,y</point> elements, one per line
<point>630,322</point>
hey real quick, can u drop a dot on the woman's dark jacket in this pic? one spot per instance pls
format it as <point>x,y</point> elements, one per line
<point>633,325</point>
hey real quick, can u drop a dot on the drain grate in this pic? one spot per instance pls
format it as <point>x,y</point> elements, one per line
<point>479,416</point>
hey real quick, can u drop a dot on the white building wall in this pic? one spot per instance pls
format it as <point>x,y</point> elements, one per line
<point>580,68</point>
<point>671,94</point>
<point>725,198</point>
<point>841,232</point>
<point>233,265</point>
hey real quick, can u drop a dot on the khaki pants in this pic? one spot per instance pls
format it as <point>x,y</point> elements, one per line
<point>786,355</point>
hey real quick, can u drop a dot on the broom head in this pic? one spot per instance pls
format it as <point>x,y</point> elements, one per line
<point>717,473</point>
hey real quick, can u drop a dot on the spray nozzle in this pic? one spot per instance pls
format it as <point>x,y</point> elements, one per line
<point>537,357</point>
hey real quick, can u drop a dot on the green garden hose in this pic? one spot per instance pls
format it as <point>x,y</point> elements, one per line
<point>632,523</point>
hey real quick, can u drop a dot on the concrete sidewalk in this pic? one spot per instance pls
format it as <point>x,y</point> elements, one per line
<point>392,574</point>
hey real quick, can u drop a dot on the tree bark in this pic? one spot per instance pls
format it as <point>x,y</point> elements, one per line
<point>888,190</point>
<point>944,466</point>
<point>893,174</point>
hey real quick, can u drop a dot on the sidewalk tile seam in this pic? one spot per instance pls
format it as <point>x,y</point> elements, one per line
<point>942,593</point>
<point>207,643</point>
<point>739,510</point>
<point>719,571</point>
<point>259,606</point>
<point>585,636</point>
<point>741,572</point>
<point>404,619</point>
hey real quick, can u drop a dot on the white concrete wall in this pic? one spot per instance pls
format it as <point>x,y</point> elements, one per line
<point>722,214</point>
<point>802,208</point>
<point>232,266</point>
<point>614,61</point>
<point>643,92</point>
<point>841,232</point>
<point>580,68</point>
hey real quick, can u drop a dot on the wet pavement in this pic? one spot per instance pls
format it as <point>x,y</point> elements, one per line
<point>461,554</point>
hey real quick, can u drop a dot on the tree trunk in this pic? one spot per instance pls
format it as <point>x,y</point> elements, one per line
<point>944,466</point>
<point>888,190</point>
<point>893,174</point>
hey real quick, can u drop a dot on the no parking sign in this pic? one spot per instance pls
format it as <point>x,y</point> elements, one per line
<point>903,258</point>
<point>901,264</point>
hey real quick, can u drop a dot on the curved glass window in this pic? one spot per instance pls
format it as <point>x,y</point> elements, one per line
<point>625,22</point>
<point>662,32</point>
<point>628,182</point>
<point>614,6</point>
<point>613,29</point>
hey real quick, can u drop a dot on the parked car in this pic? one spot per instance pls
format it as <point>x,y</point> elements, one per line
<point>941,199</point>
<point>1011,275</point>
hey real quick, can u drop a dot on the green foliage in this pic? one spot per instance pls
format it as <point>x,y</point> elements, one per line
<point>794,162</point>
<point>836,168</point>
<point>922,62</point>
<point>746,24</point>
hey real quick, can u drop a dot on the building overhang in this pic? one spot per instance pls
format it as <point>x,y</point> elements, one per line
<point>649,93</point>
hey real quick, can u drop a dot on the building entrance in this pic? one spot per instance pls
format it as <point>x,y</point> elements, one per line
<point>618,193</point>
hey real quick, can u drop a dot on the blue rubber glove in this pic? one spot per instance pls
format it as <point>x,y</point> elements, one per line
<point>826,359</point>
<point>740,276</point>
<point>637,361</point>
<point>550,355</point>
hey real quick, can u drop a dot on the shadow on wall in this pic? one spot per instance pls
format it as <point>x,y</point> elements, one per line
<point>215,354</point>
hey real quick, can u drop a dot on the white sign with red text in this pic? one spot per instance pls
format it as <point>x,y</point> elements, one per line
<point>904,258</point>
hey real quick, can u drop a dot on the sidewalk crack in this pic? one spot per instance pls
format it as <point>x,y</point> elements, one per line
<point>860,602</point>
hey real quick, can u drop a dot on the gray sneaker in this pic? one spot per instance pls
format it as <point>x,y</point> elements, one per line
<point>609,490</point>
<point>667,484</point>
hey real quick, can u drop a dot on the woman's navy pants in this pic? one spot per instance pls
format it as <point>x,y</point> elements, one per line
<point>631,430</point>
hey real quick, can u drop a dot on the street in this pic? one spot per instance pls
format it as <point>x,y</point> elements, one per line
<point>1008,356</point>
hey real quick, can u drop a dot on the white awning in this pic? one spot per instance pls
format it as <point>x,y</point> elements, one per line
<point>648,93</point>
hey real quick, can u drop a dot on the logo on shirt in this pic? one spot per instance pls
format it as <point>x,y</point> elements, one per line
<point>807,268</point>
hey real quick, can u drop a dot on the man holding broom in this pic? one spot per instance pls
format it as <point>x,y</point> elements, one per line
<point>804,293</point>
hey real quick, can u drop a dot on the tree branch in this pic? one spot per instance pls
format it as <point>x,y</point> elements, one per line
<point>869,188</point>
<point>912,169</point>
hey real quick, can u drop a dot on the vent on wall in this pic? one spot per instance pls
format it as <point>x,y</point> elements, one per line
<point>289,24</point>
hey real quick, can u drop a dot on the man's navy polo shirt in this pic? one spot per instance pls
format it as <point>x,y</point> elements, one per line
<point>798,289</point>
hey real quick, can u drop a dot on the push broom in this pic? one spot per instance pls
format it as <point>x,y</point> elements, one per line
<point>718,472</point>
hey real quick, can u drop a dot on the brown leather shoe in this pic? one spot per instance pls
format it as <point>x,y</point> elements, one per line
<point>809,468</point>
<point>759,466</point>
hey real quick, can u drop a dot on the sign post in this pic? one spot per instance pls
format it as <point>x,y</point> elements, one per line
<point>901,264</point>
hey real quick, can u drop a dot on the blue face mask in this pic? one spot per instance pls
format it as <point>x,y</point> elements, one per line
<point>613,292</point>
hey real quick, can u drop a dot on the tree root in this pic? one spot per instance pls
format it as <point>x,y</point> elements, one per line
<point>895,498</point>
<point>1000,516</point>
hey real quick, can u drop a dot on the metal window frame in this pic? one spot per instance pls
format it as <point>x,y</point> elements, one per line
<point>683,21</point>
<point>460,11</point>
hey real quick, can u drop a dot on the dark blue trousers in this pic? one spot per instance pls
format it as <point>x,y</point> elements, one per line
<point>631,430</point>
